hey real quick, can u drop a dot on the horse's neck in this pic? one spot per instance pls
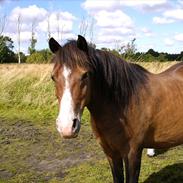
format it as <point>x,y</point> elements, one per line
<point>102,110</point>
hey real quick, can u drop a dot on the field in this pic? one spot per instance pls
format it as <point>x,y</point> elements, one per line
<point>31,150</point>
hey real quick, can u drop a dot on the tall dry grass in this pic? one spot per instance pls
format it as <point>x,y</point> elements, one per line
<point>156,67</point>
<point>28,89</point>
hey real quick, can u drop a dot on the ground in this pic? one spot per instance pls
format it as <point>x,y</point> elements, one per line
<point>33,153</point>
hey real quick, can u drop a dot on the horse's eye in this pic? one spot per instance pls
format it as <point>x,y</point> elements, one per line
<point>52,77</point>
<point>84,76</point>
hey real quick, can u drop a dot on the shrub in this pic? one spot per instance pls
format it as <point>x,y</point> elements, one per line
<point>42,56</point>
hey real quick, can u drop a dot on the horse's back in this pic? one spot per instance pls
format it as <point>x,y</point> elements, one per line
<point>167,116</point>
<point>176,69</point>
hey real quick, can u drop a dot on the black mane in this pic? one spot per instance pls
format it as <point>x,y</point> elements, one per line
<point>116,79</point>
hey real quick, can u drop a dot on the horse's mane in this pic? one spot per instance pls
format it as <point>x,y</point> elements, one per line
<point>116,79</point>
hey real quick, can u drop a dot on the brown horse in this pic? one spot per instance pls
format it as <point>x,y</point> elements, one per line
<point>130,108</point>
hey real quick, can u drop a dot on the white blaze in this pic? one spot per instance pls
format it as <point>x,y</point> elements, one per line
<point>66,113</point>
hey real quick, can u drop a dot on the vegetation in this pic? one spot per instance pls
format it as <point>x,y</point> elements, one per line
<point>7,54</point>
<point>42,56</point>
<point>127,52</point>
<point>31,149</point>
<point>33,41</point>
<point>6,47</point>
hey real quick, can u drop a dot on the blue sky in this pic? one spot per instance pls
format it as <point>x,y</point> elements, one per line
<point>156,24</point>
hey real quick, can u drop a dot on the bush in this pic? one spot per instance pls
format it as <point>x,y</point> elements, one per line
<point>42,56</point>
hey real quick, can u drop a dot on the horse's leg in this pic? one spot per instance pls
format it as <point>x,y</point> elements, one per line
<point>116,165</point>
<point>132,165</point>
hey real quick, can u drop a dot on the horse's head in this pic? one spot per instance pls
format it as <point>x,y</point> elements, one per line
<point>72,83</point>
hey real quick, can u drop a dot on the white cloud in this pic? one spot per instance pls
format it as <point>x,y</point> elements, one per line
<point>147,32</point>
<point>111,5</point>
<point>176,14</point>
<point>169,16</point>
<point>117,30</point>
<point>143,2</point>
<point>112,24</point>
<point>146,5</point>
<point>113,19</point>
<point>24,36</point>
<point>168,42</point>
<point>93,5</point>
<point>162,20</point>
<point>179,37</point>
<point>38,16</point>
<point>28,14</point>
<point>106,35</point>
<point>61,20</point>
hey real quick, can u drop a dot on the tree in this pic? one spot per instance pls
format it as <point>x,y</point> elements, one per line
<point>48,28</point>
<point>58,26</point>
<point>2,24</point>
<point>153,53</point>
<point>18,36</point>
<point>91,29</point>
<point>162,57</point>
<point>33,40</point>
<point>83,27</point>
<point>23,57</point>
<point>6,53</point>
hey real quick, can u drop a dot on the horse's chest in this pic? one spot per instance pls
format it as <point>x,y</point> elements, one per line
<point>110,137</point>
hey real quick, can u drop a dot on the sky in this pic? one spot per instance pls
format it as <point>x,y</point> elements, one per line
<point>156,24</point>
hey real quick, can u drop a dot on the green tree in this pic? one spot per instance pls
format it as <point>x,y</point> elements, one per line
<point>33,41</point>
<point>153,53</point>
<point>6,50</point>
<point>22,57</point>
<point>162,57</point>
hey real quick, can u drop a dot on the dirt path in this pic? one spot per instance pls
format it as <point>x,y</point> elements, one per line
<point>38,153</point>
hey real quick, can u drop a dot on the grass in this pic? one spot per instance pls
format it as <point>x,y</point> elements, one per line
<point>27,92</point>
<point>32,151</point>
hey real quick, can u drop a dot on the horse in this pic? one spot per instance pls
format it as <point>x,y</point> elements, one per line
<point>130,107</point>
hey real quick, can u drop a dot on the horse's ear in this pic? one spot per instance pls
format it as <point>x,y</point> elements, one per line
<point>54,45</point>
<point>82,44</point>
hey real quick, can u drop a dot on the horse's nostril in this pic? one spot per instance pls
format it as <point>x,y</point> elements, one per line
<point>75,121</point>
<point>76,126</point>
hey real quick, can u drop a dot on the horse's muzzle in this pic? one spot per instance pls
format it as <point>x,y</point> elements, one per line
<point>70,131</point>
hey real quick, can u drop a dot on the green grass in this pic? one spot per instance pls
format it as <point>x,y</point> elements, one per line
<point>31,150</point>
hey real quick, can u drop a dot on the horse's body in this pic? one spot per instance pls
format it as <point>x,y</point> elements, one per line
<point>130,108</point>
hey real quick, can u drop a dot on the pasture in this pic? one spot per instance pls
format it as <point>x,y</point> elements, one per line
<point>31,149</point>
